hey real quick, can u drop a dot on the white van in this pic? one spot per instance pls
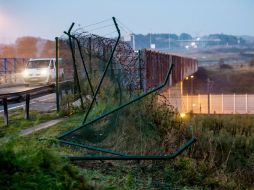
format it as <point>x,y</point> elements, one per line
<point>42,70</point>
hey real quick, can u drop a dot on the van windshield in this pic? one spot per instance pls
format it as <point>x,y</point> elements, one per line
<point>38,64</point>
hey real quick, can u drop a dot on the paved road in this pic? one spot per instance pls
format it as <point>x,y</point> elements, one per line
<point>43,103</point>
<point>12,89</point>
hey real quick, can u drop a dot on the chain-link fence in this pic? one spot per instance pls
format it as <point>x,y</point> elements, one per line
<point>11,70</point>
<point>115,87</point>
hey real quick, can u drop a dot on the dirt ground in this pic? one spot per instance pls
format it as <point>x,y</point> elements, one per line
<point>222,70</point>
<point>226,78</point>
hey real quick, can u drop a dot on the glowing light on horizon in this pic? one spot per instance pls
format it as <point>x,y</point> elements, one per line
<point>1,20</point>
<point>4,21</point>
<point>8,29</point>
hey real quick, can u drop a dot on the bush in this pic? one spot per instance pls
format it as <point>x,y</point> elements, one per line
<point>225,66</point>
<point>251,63</point>
<point>36,167</point>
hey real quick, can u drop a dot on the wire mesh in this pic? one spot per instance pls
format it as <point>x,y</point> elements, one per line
<point>112,81</point>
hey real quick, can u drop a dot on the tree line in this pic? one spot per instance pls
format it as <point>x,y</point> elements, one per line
<point>27,47</point>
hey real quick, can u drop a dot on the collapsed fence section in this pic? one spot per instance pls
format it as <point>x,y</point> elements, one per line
<point>115,87</point>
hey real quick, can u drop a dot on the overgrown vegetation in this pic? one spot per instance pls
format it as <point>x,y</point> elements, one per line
<point>222,158</point>
<point>35,166</point>
<point>17,121</point>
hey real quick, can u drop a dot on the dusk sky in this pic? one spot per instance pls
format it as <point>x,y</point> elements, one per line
<point>49,18</point>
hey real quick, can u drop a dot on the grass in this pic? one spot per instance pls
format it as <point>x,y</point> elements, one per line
<point>17,121</point>
<point>222,158</point>
<point>37,167</point>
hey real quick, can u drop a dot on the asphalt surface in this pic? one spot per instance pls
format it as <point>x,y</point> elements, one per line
<point>12,89</point>
<point>43,103</point>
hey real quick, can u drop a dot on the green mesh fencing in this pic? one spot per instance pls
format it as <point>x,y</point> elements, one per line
<point>108,82</point>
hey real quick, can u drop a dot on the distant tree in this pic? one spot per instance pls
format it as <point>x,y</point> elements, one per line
<point>48,49</point>
<point>8,51</point>
<point>185,36</point>
<point>222,64</point>
<point>173,36</point>
<point>241,41</point>
<point>26,46</point>
<point>224,39</point>
<point>221,61</point>
<point>251,63</point>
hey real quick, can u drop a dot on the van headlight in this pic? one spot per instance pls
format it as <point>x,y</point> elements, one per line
<point>25,73</point>
<point>44,72</point>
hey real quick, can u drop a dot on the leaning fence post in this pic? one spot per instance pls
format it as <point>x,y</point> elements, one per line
<point>140,68</point>
<point>6,121</point>
<point>90,55</point>
<point>57,77</point>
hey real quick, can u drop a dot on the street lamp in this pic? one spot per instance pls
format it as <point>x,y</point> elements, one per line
<point>182,115</point>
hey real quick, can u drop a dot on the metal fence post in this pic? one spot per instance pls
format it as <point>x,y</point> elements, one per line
<point>5,69</point>
<point>57,75</point>
<point>199,103</point>
<point>90,55</point>
<point>15,68</point>
<point>10,73</point>
<point>27,106</point>
<point>76,77</point>
<point>6,120</point>
<point>208,107</point>
<point>140,72</point>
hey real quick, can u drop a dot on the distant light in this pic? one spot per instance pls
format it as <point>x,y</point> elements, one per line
<point>187,47</point>
<point>187,78</point>
<point>182,115</point>
<point>152,46</point>
<point>192,76</point>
